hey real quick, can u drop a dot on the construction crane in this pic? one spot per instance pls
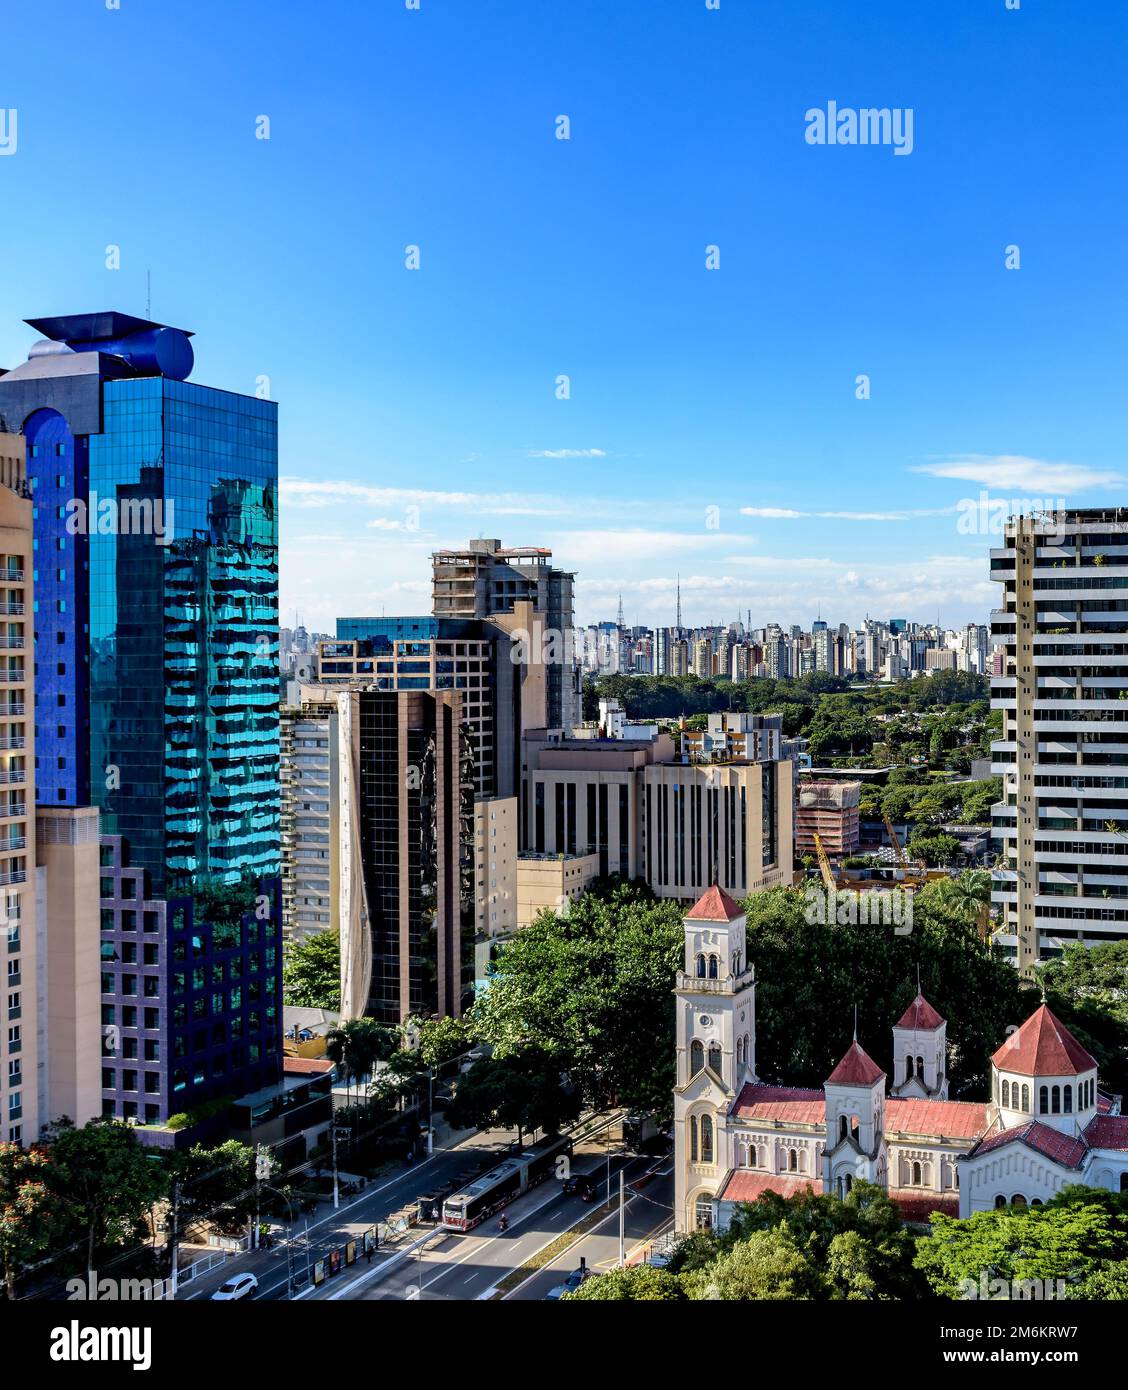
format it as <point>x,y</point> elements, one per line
<point>898,848</point>
<point>824,865</point>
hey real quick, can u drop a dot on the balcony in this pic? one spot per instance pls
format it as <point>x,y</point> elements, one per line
<point>19,741</point>
<point>10,643</point>
<point>16,842</point>
<point>14,610</point>
<point>13,808</point>
<point>14,677</point>
<point>16,876</point>
<point>16,775</point>
<point>11,576</point>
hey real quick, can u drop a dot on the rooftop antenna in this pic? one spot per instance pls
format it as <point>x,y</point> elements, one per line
<point>679,618</point>
<point>620,619</point>
<point>855,1023</point>
<point>918,976</point>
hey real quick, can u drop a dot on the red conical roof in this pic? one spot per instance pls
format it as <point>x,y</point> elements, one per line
<point>857,1068</point>
<point>920,1016</point>
<point>714,905</point>
<point>1043,1046</point>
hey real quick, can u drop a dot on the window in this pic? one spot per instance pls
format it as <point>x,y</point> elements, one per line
<point>792,1161</point>
<point>1006,1095</point>
<point>706,1139</point>
<point>712,967</point>
<point>1068,1106</point>
<point>1000,1202</point>
<point>693,1139</point>
<point>703,1213</point>
<point>1043,1100</point>
<point>1025,1097</point>
<point>696,1056</point>
<point>715,1058</point>
<point>701,967</point>
<point>1055,1100</point>
<point>916,1171</point>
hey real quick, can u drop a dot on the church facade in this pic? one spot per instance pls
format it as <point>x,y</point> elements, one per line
<point>1046,1125</point>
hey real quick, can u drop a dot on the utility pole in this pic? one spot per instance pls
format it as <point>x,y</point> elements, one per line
<point>622,1217</point>
<point>172,1240</point>
<point>336,1185</point>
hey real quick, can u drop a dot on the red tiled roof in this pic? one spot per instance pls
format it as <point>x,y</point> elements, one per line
<point>302,1066</point>
<point>1107,1132</point>
<point>1065,1149</point>
<point>857,1068</point>
<point>1043,1046</point>
<point>919,1206</point>
<point>920,1015</point>
<point>800,1106</point>
<point>745,1185</point>
<point>952,1119</point>
<point>714,905</point>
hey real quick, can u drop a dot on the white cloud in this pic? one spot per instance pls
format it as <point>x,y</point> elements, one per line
<point>567,453</point>
<point>307,493</point>
<point>773,513</point>
<point>1021,475</point>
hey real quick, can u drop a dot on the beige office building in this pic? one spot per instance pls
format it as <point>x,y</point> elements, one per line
<point>551,881</point>
<point>681,826</point>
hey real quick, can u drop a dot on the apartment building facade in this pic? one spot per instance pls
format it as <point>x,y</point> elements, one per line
<point>1062,827</point>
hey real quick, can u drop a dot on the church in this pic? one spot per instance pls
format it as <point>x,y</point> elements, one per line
<point>1046,1125</point>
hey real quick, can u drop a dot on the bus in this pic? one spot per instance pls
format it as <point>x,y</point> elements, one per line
<point>497,1188</point>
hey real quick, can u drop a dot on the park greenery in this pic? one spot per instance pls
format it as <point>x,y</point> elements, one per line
<point>938,722</point>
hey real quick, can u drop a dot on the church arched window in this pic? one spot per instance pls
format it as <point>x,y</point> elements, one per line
<point>1055,1100</point>
<point>703,1213</point>
<point>701,967</point>
<point>916,1174</point>
<point>920,1066</point>
<point>753,1156</point>
<point>842,1126</point>
<point>693,1138</point>
<point>1000,1201</point>
<point>1124,1182</point>
<point>1025,1097</point>
<point>1018,1200</point>
<point>1036,1202</point>
<point>696,1056</point>
<point>736,962</point>
<point>706,1139</point>
<point>792,1161</point>
<point>1006,1095</point>
<point>802,1160</point>
<point>1043,1100</point>
<point>712,967</point>
<point>715,1057</point>
<point>848,1183</point>
<point>1067,1100</point>
<point>908,1068</point>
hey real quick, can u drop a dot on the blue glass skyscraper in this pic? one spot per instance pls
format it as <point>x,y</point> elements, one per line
<point>156,543</point>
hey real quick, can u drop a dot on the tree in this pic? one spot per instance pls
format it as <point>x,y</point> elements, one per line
<point>811,974</point>
<point>209,1180</point>
<point>440,1040</point>
<point>311,973</point>
<point>934,847</point>
<point>358,1044</point>
<point>105,1176</point>
<point>521,1090</point>
<point>1075,1236</point>
<point>594,991</point>
<point>29,1216</point>
<point>765,1266</point>
<point>634,1283</point>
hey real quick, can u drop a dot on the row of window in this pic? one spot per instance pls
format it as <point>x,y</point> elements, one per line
<point>1052,1100</point>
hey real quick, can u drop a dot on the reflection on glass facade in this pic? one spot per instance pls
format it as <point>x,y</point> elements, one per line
<point>184,632</point>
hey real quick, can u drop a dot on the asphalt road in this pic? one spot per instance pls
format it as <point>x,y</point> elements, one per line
<point>468,1267</point>
<point>329,1230</point>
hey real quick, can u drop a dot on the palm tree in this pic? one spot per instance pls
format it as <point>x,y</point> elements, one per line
<point>357,1045</point>
<point>970,892</point>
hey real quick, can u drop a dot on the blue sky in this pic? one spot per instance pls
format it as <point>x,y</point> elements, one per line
<point>712,427</point>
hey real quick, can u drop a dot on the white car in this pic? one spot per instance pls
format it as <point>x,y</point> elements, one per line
<point>238,1286</point>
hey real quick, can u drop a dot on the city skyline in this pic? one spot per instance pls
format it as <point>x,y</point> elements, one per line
<point>712,425</point>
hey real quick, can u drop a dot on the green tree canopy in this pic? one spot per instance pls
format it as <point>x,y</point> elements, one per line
<point>311,972</point>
